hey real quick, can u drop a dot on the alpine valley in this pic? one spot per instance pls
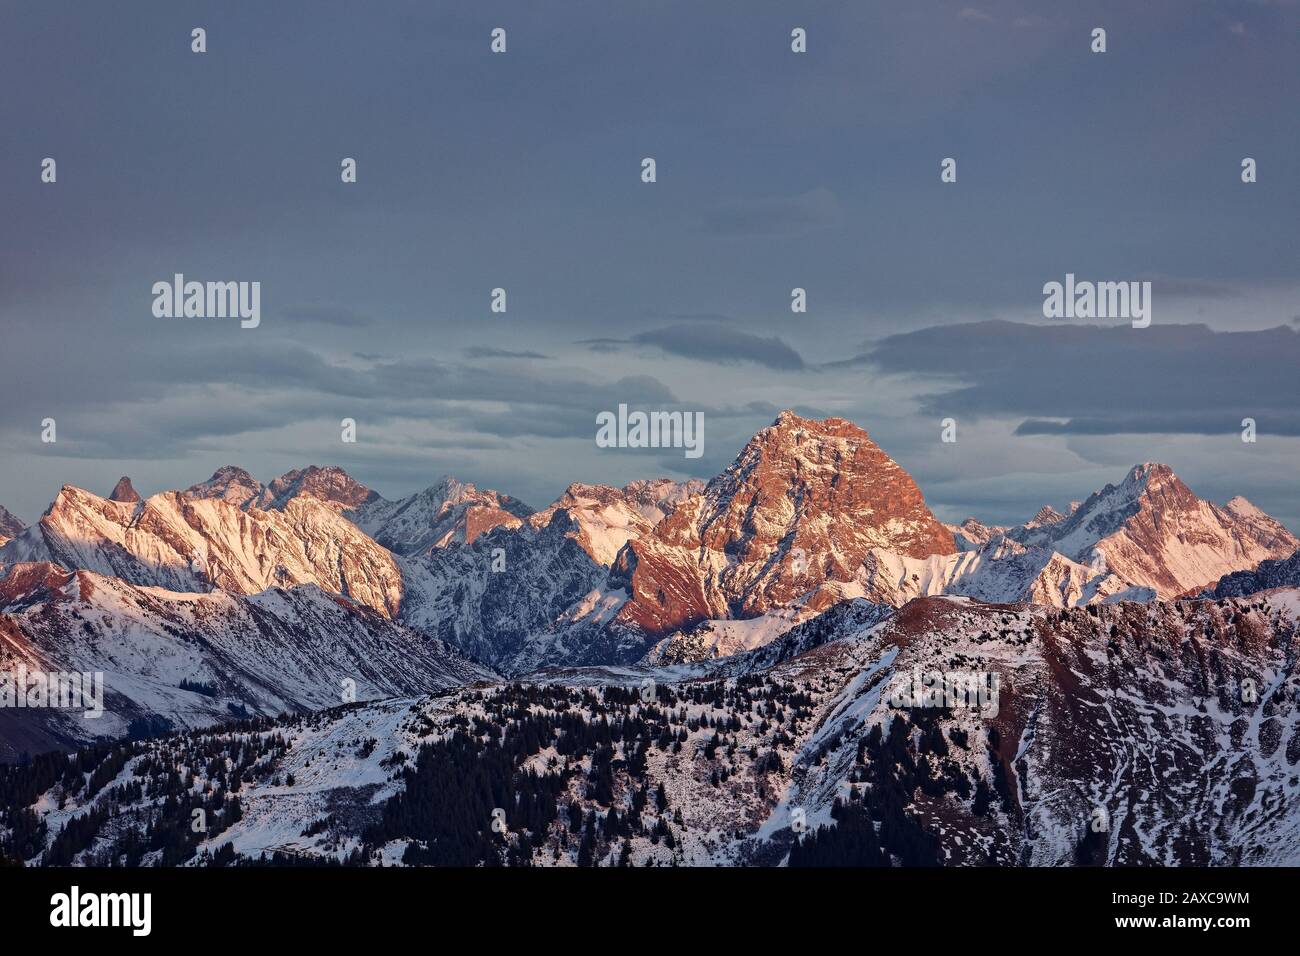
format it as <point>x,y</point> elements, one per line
<point>667,673</point>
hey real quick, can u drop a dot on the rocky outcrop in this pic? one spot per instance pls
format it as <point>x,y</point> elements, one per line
<point>230,483</point>
<point>606,518</point>
<point>450,513</point>
<point>800,506</point>
<point>123,492</point>
<point>10,526</point>
<point>330,485</point>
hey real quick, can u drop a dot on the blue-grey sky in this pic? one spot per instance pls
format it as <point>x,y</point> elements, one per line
<point>775,170</point>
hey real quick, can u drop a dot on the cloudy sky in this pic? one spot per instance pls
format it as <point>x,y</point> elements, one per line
<point>775,170</point>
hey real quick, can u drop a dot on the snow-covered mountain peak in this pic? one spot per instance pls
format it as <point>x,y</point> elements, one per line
<point>972,534</point>
<point>1243,508</point>
<point>656,498</point>
<point>192,544</point>
<point>451,512</point>
<point>452,490</point>
<point>229,483</point>
<point>1046,515</point>
<point>72,498</point>
<point>1153,531</point>
<point>1151,478</point>
<point>790,429</point>
<point>330,484</point>
<point>605,518</point>
<point>808,514</point>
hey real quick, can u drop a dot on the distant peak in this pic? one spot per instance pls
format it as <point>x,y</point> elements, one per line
<point>452,488</point>
<point>1149,470</point>
<point>328,483</point>
<point>790,425</point>
<point>313,471</point>
<point>452,492</point>
<point>663,488</point>
<point>124,492</point>
<point>1047,515</point>
<point>1238,505</point>
<point>10,525</point>
<point>582,489</point>
<point>228,473</point>
<point>1152,480</point>
<point>791,417</point>
<point>229,483</point>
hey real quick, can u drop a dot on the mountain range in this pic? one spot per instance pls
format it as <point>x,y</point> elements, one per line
<point>1122,631</point>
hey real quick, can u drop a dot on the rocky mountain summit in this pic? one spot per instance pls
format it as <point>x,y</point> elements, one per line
<point>1151,530</point>
<point>800,506</point>
<point>10,526</point>
<point>123,492</point>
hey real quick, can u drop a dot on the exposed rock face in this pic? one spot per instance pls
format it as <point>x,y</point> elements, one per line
<point>229,483</point>
<point>1001,571</point>
<point>1283,573</point>
<point>331,485</point>
<point>30,583</point>
<point>1151,530</point>
<point>123,492</point>
<point>1134,709</point>
<point>450,513</point>
<point>190,544</point>
<point>494,596</point>
<point>972,534</point>
<point>801,505</point>
<point>1046,515</point>
<point>10,527</point>
<point>606,517</point>
<point>536,593</point>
